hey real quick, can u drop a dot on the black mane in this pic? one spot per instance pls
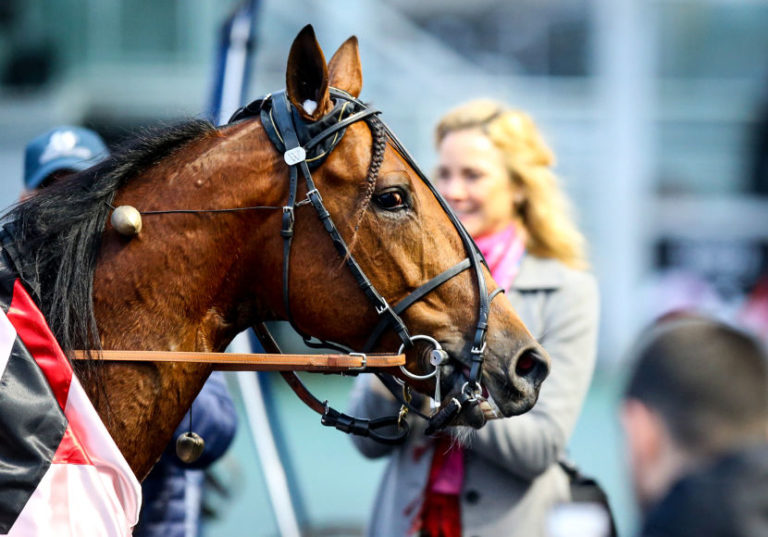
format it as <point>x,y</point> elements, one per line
<point>57,232</point>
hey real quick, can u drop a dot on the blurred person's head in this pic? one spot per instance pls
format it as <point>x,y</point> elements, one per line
<point>495,169</point>
<point>699,390</point>
<point>59,152</point>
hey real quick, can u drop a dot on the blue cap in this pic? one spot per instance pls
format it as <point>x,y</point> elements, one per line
<point>61,148</point>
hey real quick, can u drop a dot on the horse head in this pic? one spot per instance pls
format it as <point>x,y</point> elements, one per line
<point>401,235</point>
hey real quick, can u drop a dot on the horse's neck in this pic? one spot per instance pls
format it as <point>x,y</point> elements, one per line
<point>143,405</point>
<point>176,287</point>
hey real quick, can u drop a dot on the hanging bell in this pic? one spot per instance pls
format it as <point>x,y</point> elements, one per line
<point>126,220</point>
<point>189,447</point>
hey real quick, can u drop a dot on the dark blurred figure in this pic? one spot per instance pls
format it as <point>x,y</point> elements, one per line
<point>695,414</point>
<point>173,490</point>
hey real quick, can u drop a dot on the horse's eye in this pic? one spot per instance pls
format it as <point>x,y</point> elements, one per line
<point>391,200</point>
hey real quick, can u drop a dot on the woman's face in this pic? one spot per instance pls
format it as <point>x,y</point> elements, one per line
<point>472,177</point>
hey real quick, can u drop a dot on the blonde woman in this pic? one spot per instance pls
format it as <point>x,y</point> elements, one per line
<point>495,171</point>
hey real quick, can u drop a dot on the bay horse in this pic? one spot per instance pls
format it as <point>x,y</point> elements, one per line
<point>205,267</point>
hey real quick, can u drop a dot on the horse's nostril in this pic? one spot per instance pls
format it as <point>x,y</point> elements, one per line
<point>525,364</point>
<point>532,366</point>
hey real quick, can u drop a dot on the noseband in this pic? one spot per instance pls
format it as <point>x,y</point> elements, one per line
<point>304,147</point>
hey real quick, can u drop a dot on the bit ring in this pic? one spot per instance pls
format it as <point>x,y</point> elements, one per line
<point>437,346</point>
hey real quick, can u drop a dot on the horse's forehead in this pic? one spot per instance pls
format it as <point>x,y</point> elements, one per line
<point>351,157</point>
<point>394,162</point>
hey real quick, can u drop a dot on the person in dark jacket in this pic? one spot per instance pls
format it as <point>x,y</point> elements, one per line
<point>695,413</point>
<point>172,493</point>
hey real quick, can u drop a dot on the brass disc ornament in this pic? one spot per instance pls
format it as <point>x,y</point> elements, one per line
<point>126,220</point>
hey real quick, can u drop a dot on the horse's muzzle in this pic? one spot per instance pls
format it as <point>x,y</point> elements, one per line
<point>516,390</point>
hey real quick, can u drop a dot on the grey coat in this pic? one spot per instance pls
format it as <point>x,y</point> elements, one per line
<point>511,473</point>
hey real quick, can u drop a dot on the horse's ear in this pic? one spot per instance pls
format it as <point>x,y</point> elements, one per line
<point>306,78</point>
<point>345,70</point>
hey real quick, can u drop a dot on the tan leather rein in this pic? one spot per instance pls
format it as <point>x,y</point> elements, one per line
<point>321,363</point>
<point>387,429</point>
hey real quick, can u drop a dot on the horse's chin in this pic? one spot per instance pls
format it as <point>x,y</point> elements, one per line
<point>478,413</point>
<point>472,416</point>
<point>510,400</point>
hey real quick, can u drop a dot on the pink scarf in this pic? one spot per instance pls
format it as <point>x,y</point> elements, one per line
<point>503,251</point>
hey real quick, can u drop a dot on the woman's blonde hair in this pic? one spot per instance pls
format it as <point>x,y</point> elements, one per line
<point>544,210</point>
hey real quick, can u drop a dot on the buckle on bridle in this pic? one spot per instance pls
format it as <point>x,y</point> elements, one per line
<point>480,351</point>
<point>362,366</point>
<point>315,192</point>
<point>288,220</point>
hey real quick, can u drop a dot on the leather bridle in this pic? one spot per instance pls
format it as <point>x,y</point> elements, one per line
<point>304,146</point>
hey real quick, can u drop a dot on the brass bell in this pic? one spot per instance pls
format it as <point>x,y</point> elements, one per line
<point>126,220</point>
<point>189,447</point>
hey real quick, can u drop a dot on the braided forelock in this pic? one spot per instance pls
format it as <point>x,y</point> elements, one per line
<point>379,144</point>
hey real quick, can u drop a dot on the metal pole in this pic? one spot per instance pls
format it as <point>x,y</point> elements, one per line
<point>264,439</point>
<point>227,95</point>
<point>233,62</point>
<point>625,59</point>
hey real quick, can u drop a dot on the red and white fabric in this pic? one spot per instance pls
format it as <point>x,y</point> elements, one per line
<point>88,489</point>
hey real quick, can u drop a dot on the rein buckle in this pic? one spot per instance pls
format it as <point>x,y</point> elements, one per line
<point>364,358</point>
